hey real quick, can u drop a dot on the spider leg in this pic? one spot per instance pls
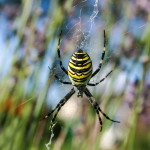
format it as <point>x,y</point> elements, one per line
<point>94,84</point>
<point>103,55</point>
<point>99,117</point>
<point>96,106</point>
<point>59,105</point>
<point>87,93</point>
<point>59,56</point>
<point>64,82</point>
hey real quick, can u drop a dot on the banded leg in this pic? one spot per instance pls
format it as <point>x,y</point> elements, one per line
<point>96,106</point>
<point>103,55</point>
<point>64,82</point>
<point>58,109</point>
<point>100,120</point>
<point>58,52</point>
<point>94,84</point>
<point>60,104</point>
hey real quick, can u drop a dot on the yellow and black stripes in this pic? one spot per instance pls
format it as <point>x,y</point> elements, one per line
<point>80,68</point>
<point>103,55</point>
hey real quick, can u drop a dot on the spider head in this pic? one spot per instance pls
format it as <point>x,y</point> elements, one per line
<point>80,91</point>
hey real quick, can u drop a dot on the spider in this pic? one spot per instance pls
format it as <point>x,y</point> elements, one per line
<point>80,72</point>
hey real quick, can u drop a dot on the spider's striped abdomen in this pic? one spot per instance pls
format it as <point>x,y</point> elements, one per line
<point>80,68</point>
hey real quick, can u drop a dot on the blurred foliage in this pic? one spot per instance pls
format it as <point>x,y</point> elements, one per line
<point>30,29</point>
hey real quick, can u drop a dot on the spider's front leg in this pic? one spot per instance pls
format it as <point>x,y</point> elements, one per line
<point>59,56</point>
<point>59,105</point>
<point>103,55</point>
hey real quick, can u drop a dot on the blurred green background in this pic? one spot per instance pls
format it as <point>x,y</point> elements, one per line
<point>29,31</point>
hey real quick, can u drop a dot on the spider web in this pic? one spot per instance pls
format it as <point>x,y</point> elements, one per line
<point>80,23</point>
<point>51,137</point>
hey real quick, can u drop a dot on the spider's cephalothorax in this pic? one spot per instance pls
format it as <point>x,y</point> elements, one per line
<point>80,70</point>
<point>80,73</point>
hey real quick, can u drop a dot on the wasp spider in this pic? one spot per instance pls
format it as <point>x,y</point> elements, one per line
<point>80,72</point>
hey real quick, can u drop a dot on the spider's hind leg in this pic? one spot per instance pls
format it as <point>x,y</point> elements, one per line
<point>94,104</point>
<point>59,105</point>
<point>96,107</point>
